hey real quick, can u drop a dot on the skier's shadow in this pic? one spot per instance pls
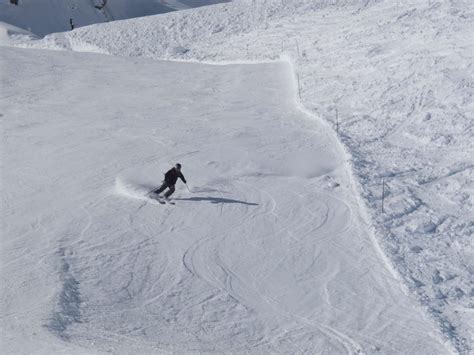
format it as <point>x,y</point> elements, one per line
<point>217,200</point>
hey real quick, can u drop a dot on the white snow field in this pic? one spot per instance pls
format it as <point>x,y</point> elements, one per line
<point>282,246</point>
<point>269,253</point>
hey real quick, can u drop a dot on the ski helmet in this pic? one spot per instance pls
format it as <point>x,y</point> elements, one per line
<point>178,166</point>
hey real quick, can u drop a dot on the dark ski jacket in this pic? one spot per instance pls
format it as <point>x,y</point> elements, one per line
<point>172,176</point>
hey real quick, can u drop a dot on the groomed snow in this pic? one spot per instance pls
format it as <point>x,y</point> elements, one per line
<point>268,253</point>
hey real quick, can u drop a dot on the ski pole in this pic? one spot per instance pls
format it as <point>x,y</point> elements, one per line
<point>149,192</point>
<point>188,188</point>
<point>156,188</point>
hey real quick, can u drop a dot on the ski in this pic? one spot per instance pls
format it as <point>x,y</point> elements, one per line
<point>155,197</point>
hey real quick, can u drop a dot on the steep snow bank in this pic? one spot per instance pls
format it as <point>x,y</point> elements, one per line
<point>395,78</point>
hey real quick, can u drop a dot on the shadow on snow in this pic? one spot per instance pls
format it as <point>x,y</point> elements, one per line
<point>217,200</point>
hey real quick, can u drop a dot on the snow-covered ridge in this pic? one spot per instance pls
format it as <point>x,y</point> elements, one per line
<point>396,80</point>
<point>47,16</point>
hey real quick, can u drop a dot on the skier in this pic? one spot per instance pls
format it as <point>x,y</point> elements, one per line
<point>171,177</point>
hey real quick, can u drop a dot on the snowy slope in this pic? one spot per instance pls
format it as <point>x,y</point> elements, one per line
<point>269,253</point>
<point>398,77</point>
<point>46,16</point>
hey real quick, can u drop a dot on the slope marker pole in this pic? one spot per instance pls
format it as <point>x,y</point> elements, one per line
<point>299,85</point>
<point>383,193</point>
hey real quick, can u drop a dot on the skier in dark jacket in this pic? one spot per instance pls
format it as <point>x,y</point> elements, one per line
<point>171,177</point>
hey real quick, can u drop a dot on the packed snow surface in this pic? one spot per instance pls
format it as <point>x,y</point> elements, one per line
<point>272,250</point>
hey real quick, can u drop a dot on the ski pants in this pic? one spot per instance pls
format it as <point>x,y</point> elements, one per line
<point>163,187</point>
